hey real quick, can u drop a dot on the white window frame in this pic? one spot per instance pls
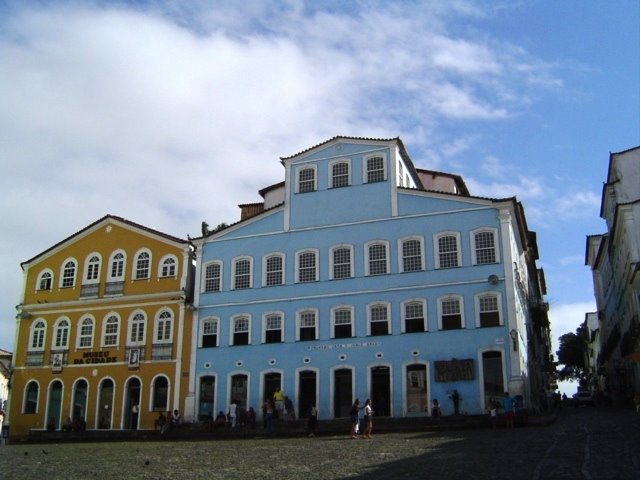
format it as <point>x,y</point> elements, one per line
<point>205,278</point>
<point>85,319</point>
<point>233,327</point>
<point>92,269</point>
<point>57,327</point>
<point>164,264</point>
<point>337,309</point>
<point>401,257</point>
<point>25,397</point>
<point>403,313</point>
<point>62,273</point>
<point>112,261</point>
<point>105,325</point>
<point>365,167</point>
<point>460,300</point>
<point>160,326</point>
<point>299,315</point>
<point>203,322</point>
<point>265,319</point>
<point>332,261</point>
<point>41,332</point>
<point>136,260</point>
<point>436,249</point>
<point>332,164</point>
<point>130,324</point>
<point>234,272</point>
<point>41,276</point>
<point>301,168</point>
<point>477,299</point>
<point>373,305</point>
<point>474,246</point>
<point>316,255</point>
<point>367,264</point>
<point>266,272</point>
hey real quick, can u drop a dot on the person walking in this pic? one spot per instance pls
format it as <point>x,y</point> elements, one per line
<point>312,421</point>
<point>368,419</point>
<point>508,406</point>
<point>233,412</point>
<point>353,413</point>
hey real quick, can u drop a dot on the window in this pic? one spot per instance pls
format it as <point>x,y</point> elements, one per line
<point>210,332</point>
<point>168,267</point>
<point>273,270</point>
<point>340,174</point>
<point>307,325</point>
<point>273,328</point>
<point>45,280</point>
<point>38,330</point>
<point>488,310</point>
<point>68,274</point>
<point>414,316</point>
<point>306,179</point>
<point>448,254</point>
<point>375,169</point>
<point>137,325</point>
<point>342,322</point>
<point>484,247</point>
<point>164,323</point>
<point>143,261</point>
<point>241,273</point>
<point>240,330</point>
<point>451,313</point>
<point>111,329</point>
<point>412,255</point>
<point>379,319</point>
<point>116,266</point>
<point>212,277</point>
<point>31,398</point>
<point>307,266</point>
<point>85,334</point>
<point>341,262</point>
<point>92,272</point>
<point>377,260</point>
<point>61,334</point>
<point>161,394</point>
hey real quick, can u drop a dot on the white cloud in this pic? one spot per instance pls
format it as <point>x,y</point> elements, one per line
<point>566,318</point>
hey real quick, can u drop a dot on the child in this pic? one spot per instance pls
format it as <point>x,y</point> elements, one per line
<point>493,413</point>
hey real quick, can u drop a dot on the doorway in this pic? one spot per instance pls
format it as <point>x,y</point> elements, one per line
<point>381,390</point>
<point>342,392</point>
<point>307,392</point>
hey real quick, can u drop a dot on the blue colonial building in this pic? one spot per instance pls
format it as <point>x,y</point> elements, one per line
<point>361,276</point>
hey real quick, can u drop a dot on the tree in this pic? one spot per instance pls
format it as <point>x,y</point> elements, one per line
<point>572,355</point>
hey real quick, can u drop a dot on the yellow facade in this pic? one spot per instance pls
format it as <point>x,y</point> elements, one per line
<point>104,329</point>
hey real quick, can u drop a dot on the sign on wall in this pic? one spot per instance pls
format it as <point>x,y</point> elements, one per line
<point>454,370</point>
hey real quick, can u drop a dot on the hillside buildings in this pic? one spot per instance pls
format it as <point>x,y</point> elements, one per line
<point>614,259</point>
<point>101,330</point>
<point>361,276</point>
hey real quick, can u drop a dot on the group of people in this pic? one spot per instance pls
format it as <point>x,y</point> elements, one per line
<point>165,422</point>
<point>77,425</point>
<point>355,418</point>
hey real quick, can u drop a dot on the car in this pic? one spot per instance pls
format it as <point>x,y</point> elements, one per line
<point>583,398</point>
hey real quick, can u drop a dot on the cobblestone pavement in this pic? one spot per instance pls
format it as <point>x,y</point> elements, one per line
<point>584,443</point>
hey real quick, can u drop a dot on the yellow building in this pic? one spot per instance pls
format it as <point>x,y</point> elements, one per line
<point>103,330</point>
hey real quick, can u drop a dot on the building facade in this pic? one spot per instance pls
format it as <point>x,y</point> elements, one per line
<point>361,276</point>
<point>101,328</point>
<point>614,259</point>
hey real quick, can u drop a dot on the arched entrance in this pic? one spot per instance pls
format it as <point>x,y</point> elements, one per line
<point>131,412</point>
<point>105,404</point>
<point>54,405</point>
<point>79,405</point>
<point>206,398</point>
<point>417,396</point>
<point>381,390</point>
<point>342,392</point>
<point>307,392</point>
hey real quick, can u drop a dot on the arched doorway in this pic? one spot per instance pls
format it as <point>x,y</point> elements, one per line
<point>239,384</point>
<point>105,404</point>
<point>54,405</point>
<point>307,392</point>
<point>417,395</point>
<point>79,405</point>
<point>493,376</point>
<point>131,412</point>
<point>206,398</point>
<point>342,392</point>
<point>381,390</point>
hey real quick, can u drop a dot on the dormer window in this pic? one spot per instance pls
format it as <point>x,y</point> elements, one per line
<point>340,174</point>
<point>375,169</point>
<point>306,179</point>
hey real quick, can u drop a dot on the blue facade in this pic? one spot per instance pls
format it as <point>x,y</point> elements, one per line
<point>360,284</point>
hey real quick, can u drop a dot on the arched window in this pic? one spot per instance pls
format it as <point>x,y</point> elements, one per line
<point>209,332</point>
<point>342,320</point>
<point>377,261</point>
<point>68,277</point>
<point>273,270</point>
<point>164,324</point>
<point>379,323</point>
<point>45,280</point>
<point>240,328</point>
<point>306,179</point>
<point>341,257</point>
<point>111,330</point>
<point>61,334</point>
<point>38,330</point>
<point>85,334</point>
<point>242,272</point>
<point>485,249</point>
<point>340,174</point>
<point>412,260</point>
<point>116,267</point>
<point>137,329</point>
<point>142,263</point>
<point>92,270</point>
<point>307,266</point>
<point>168,267</point>
<point>450,313</point>
<point>375,169</point>
<point>212,277</point>
<point>448,253</point>
<point>414,316</point>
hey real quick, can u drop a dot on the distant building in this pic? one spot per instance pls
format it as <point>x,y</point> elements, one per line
<point>361,276</point>
<point>5,380</point>
<point>100,330</point>
<point>614,259</point>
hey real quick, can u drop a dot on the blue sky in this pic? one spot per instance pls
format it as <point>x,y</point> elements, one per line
<point>171,113</point>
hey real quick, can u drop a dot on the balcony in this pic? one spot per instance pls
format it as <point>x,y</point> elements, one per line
<point>114,288</point>
<point>89,290</point>
<point>162,351</point>
<point>34,359</point>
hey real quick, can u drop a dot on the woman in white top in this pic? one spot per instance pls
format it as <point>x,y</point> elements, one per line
<point>368,420</point>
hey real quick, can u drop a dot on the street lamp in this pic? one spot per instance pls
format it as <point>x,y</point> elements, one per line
<point>514,337</point>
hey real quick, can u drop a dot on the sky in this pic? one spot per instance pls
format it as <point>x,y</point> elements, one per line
<point>170,113</point>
